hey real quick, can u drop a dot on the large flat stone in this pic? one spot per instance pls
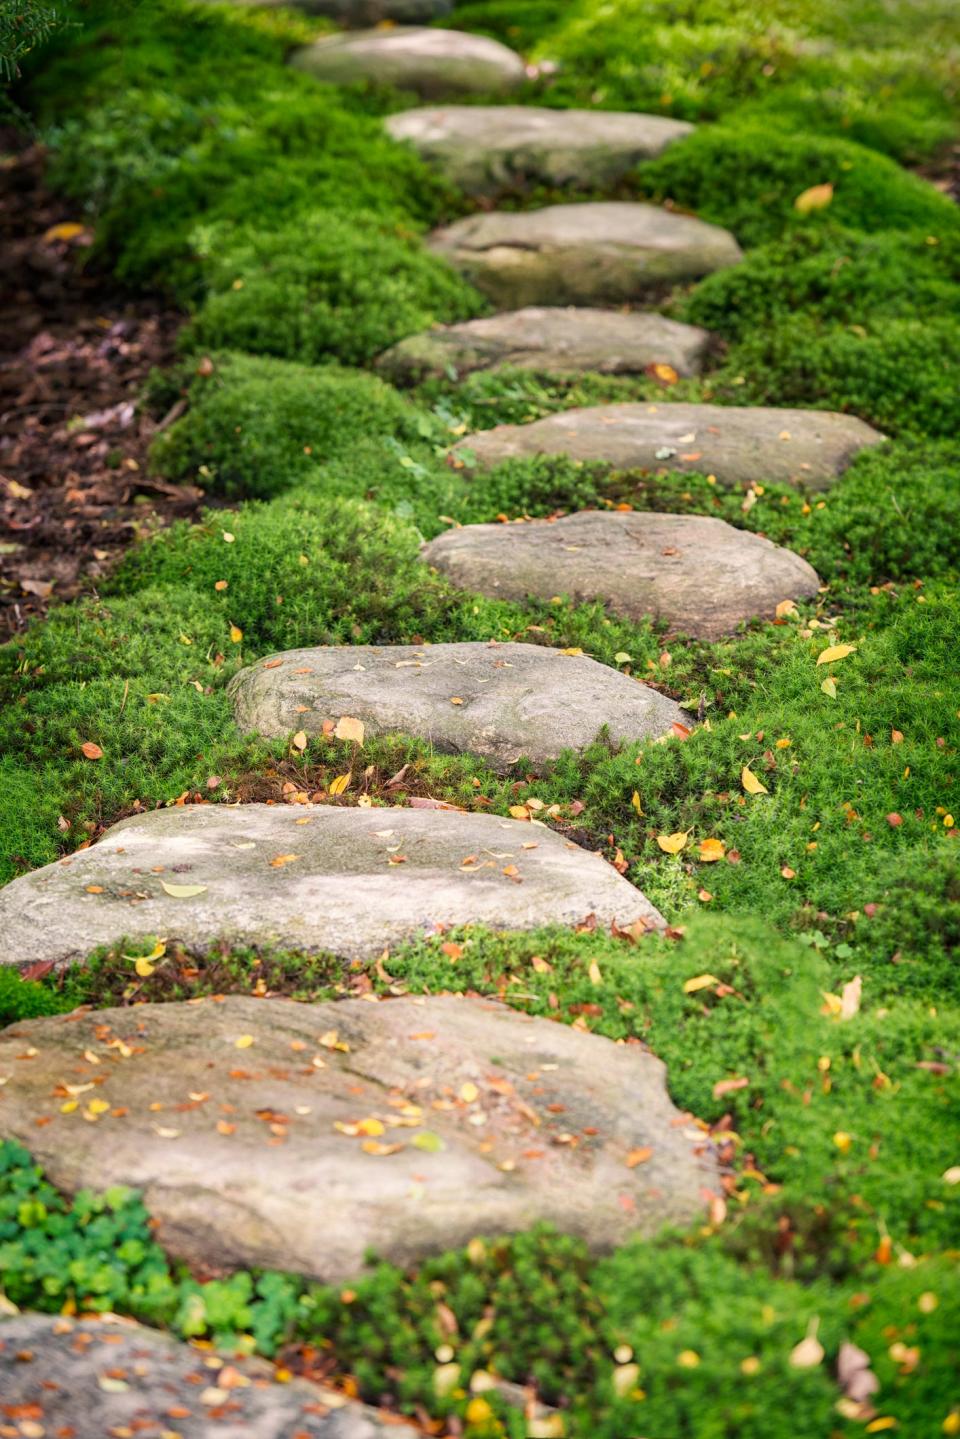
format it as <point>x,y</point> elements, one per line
<point>700,576</point>
<point>487,148</point>
<point>563,340</point>
<point>341,887</point>
<point>610,253</point>
<point>738,444</point>
<point>501,1120</point>
<point>433,63</point>
<point>152,1382</point>
<point>500,701</point>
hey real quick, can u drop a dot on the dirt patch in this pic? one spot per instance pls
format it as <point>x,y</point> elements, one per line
<point>74,354</point>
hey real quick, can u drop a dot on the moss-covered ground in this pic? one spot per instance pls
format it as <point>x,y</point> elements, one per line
<point>290,229</point>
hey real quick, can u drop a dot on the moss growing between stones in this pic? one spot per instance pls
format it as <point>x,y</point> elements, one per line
<point>748,178</point>
<point>325,286</point>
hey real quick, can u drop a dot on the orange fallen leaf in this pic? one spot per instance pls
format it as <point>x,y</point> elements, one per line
<point>91,750</point>
<point>282,859</point>
<point>638,1156</point>
<point>729,1086</point>
<point>710,850</point>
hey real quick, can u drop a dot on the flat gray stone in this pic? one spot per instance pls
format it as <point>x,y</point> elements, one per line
<point>431,62</point>
<point>487,148</point>
<point>740,445</point>
<point>611,252</point>
<point>58,1364</point>
<point>500,701</point>
<point>698,575</point>
<point>557,340</point>
<point>345,889</point>
<point>467,1089</point>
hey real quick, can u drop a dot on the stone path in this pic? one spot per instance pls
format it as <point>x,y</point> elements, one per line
<point>433,63</point>
<point>94,1378</point>
<point>559,340</point>
<point>487,148</point>
<point>738,445</point>
<point>701,576</point>
<point>407,1125</point>
<point>345,880</point>
<point>295,1136</point>
<point>610,253</point>
<point>497,701</point>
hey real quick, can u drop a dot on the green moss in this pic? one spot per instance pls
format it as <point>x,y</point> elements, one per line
<point>748,177</point>
<point>830,274</point>
<point>256,426</point>
<point>900,375</point>
<point>327,286</point>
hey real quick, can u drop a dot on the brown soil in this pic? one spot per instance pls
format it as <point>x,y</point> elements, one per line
<point>75,490</point>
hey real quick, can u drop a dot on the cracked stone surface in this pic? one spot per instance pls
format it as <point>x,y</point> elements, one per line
<point>699,575</point>
<point>487,148</point>
<point>351,881</point>
<point>561,340</point>
<point>433,63</point>
<point>610,252</point>
<point>499,701</point>
<point>409,1125</point>
<point>738,444</point>
<point>57,1364</point>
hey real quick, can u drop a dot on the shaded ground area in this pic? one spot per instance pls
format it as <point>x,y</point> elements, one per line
<point>74,354</point>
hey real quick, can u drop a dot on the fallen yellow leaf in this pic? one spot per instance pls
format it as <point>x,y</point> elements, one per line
<point>299,740</point>
<point>750,782</point>
<point>699,981</point>
<point>829,687</point>
<point>244,1041</point>
<point>818,197</point>
<point>66,230</point>
<point>236,634</point>
<point>349,729</point>
<point>338,785</point>
<point>183,891</point>
<point>710,850</point>
<point>833,653</point>
<point>672,843</point>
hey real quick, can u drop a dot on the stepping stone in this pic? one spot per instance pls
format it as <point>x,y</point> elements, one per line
<point>611,253</point>
<point>561,340</point>
<point>55,1365</point>
<point>740,445</point>
<point>483,1121</point>
<point>698,575</point>
<point>431,62</point>
<point>348,881</point>
<point>486,148</point>
<point>498,701</point>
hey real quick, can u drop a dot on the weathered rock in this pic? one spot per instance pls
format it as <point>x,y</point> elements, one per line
<point>467,1089</point>
<point>701,576</point>
<point>486,148</point>
<point>738,444</point>
<point>58,1364</point>
<point>433,63</point>
<point>328,878</point>
<point>500,701</point>
<point>610,253</point>
<point>559,340</point>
